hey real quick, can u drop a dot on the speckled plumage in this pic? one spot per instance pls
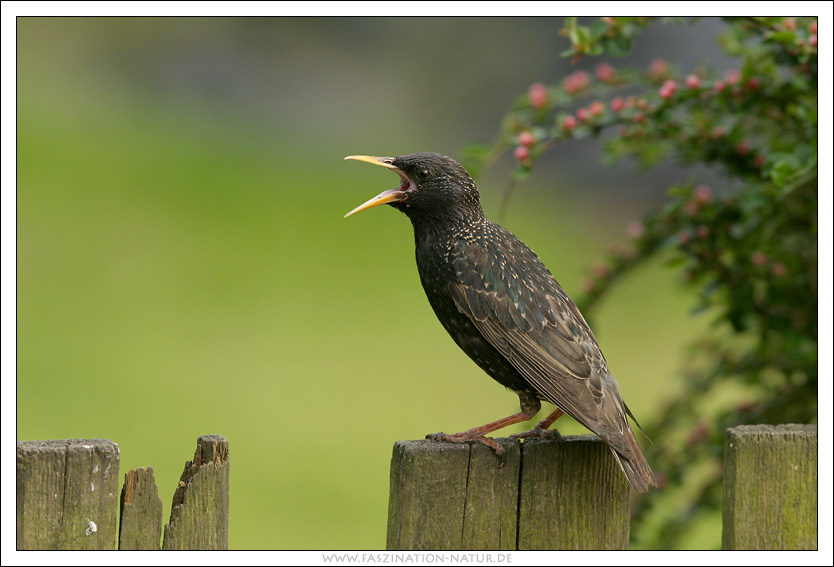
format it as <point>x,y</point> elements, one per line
<point>505,310</point>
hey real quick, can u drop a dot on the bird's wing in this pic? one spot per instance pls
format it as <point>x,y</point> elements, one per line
<point>518,307</point>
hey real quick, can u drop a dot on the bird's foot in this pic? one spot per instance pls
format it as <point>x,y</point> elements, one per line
<point>539,432</point>
<point>466,436</point>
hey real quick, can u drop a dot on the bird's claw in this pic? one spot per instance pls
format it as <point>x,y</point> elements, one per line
<point>464,437</point>
<point>539,432</point>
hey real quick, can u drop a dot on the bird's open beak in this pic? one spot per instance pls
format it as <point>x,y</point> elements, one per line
<point>389,196</point>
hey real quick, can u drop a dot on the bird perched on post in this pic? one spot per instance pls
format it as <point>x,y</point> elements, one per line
<point>506,311</point>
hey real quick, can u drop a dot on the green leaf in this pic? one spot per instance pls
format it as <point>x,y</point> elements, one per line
<point>581,37</point>
<point>781,167</point>
<point>619,45</point>
<point>598,29</point>
<point>786,36</point>
<point>781,173</point>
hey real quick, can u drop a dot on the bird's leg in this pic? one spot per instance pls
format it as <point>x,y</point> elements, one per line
<point>530,406</point>
<point>542,428</point>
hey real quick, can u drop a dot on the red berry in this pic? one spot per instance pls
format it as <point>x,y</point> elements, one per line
<point>658,69</point>
<point>732,76</point>
<point>668,89</point>
<point>617,104</point>
<point>583,114</point>
<point>812,27</point>
<point>778,269</point>
<point>789,24</point>
<point>538,95</point>
<point>743,148</point>
<point>753,83</point>
<point>569,123</point>
<point>702,194</point>
<point>576,81</point>
<point>718,86</point>
<point>639,117</point>
<point>693,81</point>
<point>719,132</point>
<point>605,72</point>
<point>522,153</point>
<point>813,40</point>
<point>597,108</point>
<point>526,139</point>
<point>759,258</point>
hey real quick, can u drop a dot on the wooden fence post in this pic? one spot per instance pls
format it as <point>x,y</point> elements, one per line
<point>544,494</point>
<point>770,487</point>
<point>67,498</point>
<point>573,496</point>
<point>67,494</point>
<point>452,496</point>
<point>200,511</point>
<point>140,525</point>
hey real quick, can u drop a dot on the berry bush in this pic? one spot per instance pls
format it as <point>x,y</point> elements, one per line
<point>749,248</point>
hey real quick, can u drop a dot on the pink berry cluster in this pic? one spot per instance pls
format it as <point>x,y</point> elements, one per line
<point>525,140</point>
<point>658,70</point>
<point>576,82</point>
<point>538,95</point>
<point>637,115</point>
<point>606,73</point>
<point>668,89</point>
<point>760,260</point>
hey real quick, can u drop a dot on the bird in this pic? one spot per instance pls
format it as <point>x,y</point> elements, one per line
<point>506,311</point>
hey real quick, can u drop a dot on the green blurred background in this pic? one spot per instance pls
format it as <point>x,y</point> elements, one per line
<point>183,266</point>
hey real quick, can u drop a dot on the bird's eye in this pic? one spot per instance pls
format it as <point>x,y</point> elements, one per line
<point>423,174</point>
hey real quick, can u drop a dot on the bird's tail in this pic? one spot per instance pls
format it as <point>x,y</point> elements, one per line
<point>634,464</point>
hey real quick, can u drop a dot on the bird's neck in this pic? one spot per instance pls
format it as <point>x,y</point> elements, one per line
<point>447,225</point>
<point>440,233</point>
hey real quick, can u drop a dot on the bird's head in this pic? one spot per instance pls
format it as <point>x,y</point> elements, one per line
<point>432,186</point>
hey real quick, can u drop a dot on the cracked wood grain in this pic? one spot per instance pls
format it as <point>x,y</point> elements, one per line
<point>67,494</point>
<point>770,487</point>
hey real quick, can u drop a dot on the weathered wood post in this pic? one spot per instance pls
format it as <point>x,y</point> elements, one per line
<point>200,512</point>
<point>140,525</point>
<point>573,496</point>
<point>770,487</point>
<point>450,496</point>
<point>544,494</point>
<point>67,494</point>
<point>67,498</point>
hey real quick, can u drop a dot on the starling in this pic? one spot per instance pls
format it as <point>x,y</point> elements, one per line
<point>506,311</point>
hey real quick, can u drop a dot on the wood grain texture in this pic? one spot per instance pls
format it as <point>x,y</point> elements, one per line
<point>140,524</point>
<point>67,494</point>
<point>573,496</point>
<point>770,487</point>
<point>453,496</point>
<point>200,510</point>
<point>544,494</point>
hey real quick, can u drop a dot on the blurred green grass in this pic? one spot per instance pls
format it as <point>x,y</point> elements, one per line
<point>169,288</point>
<point>179,275</point>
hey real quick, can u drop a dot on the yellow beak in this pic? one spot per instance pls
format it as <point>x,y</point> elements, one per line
<point>389,196</point>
